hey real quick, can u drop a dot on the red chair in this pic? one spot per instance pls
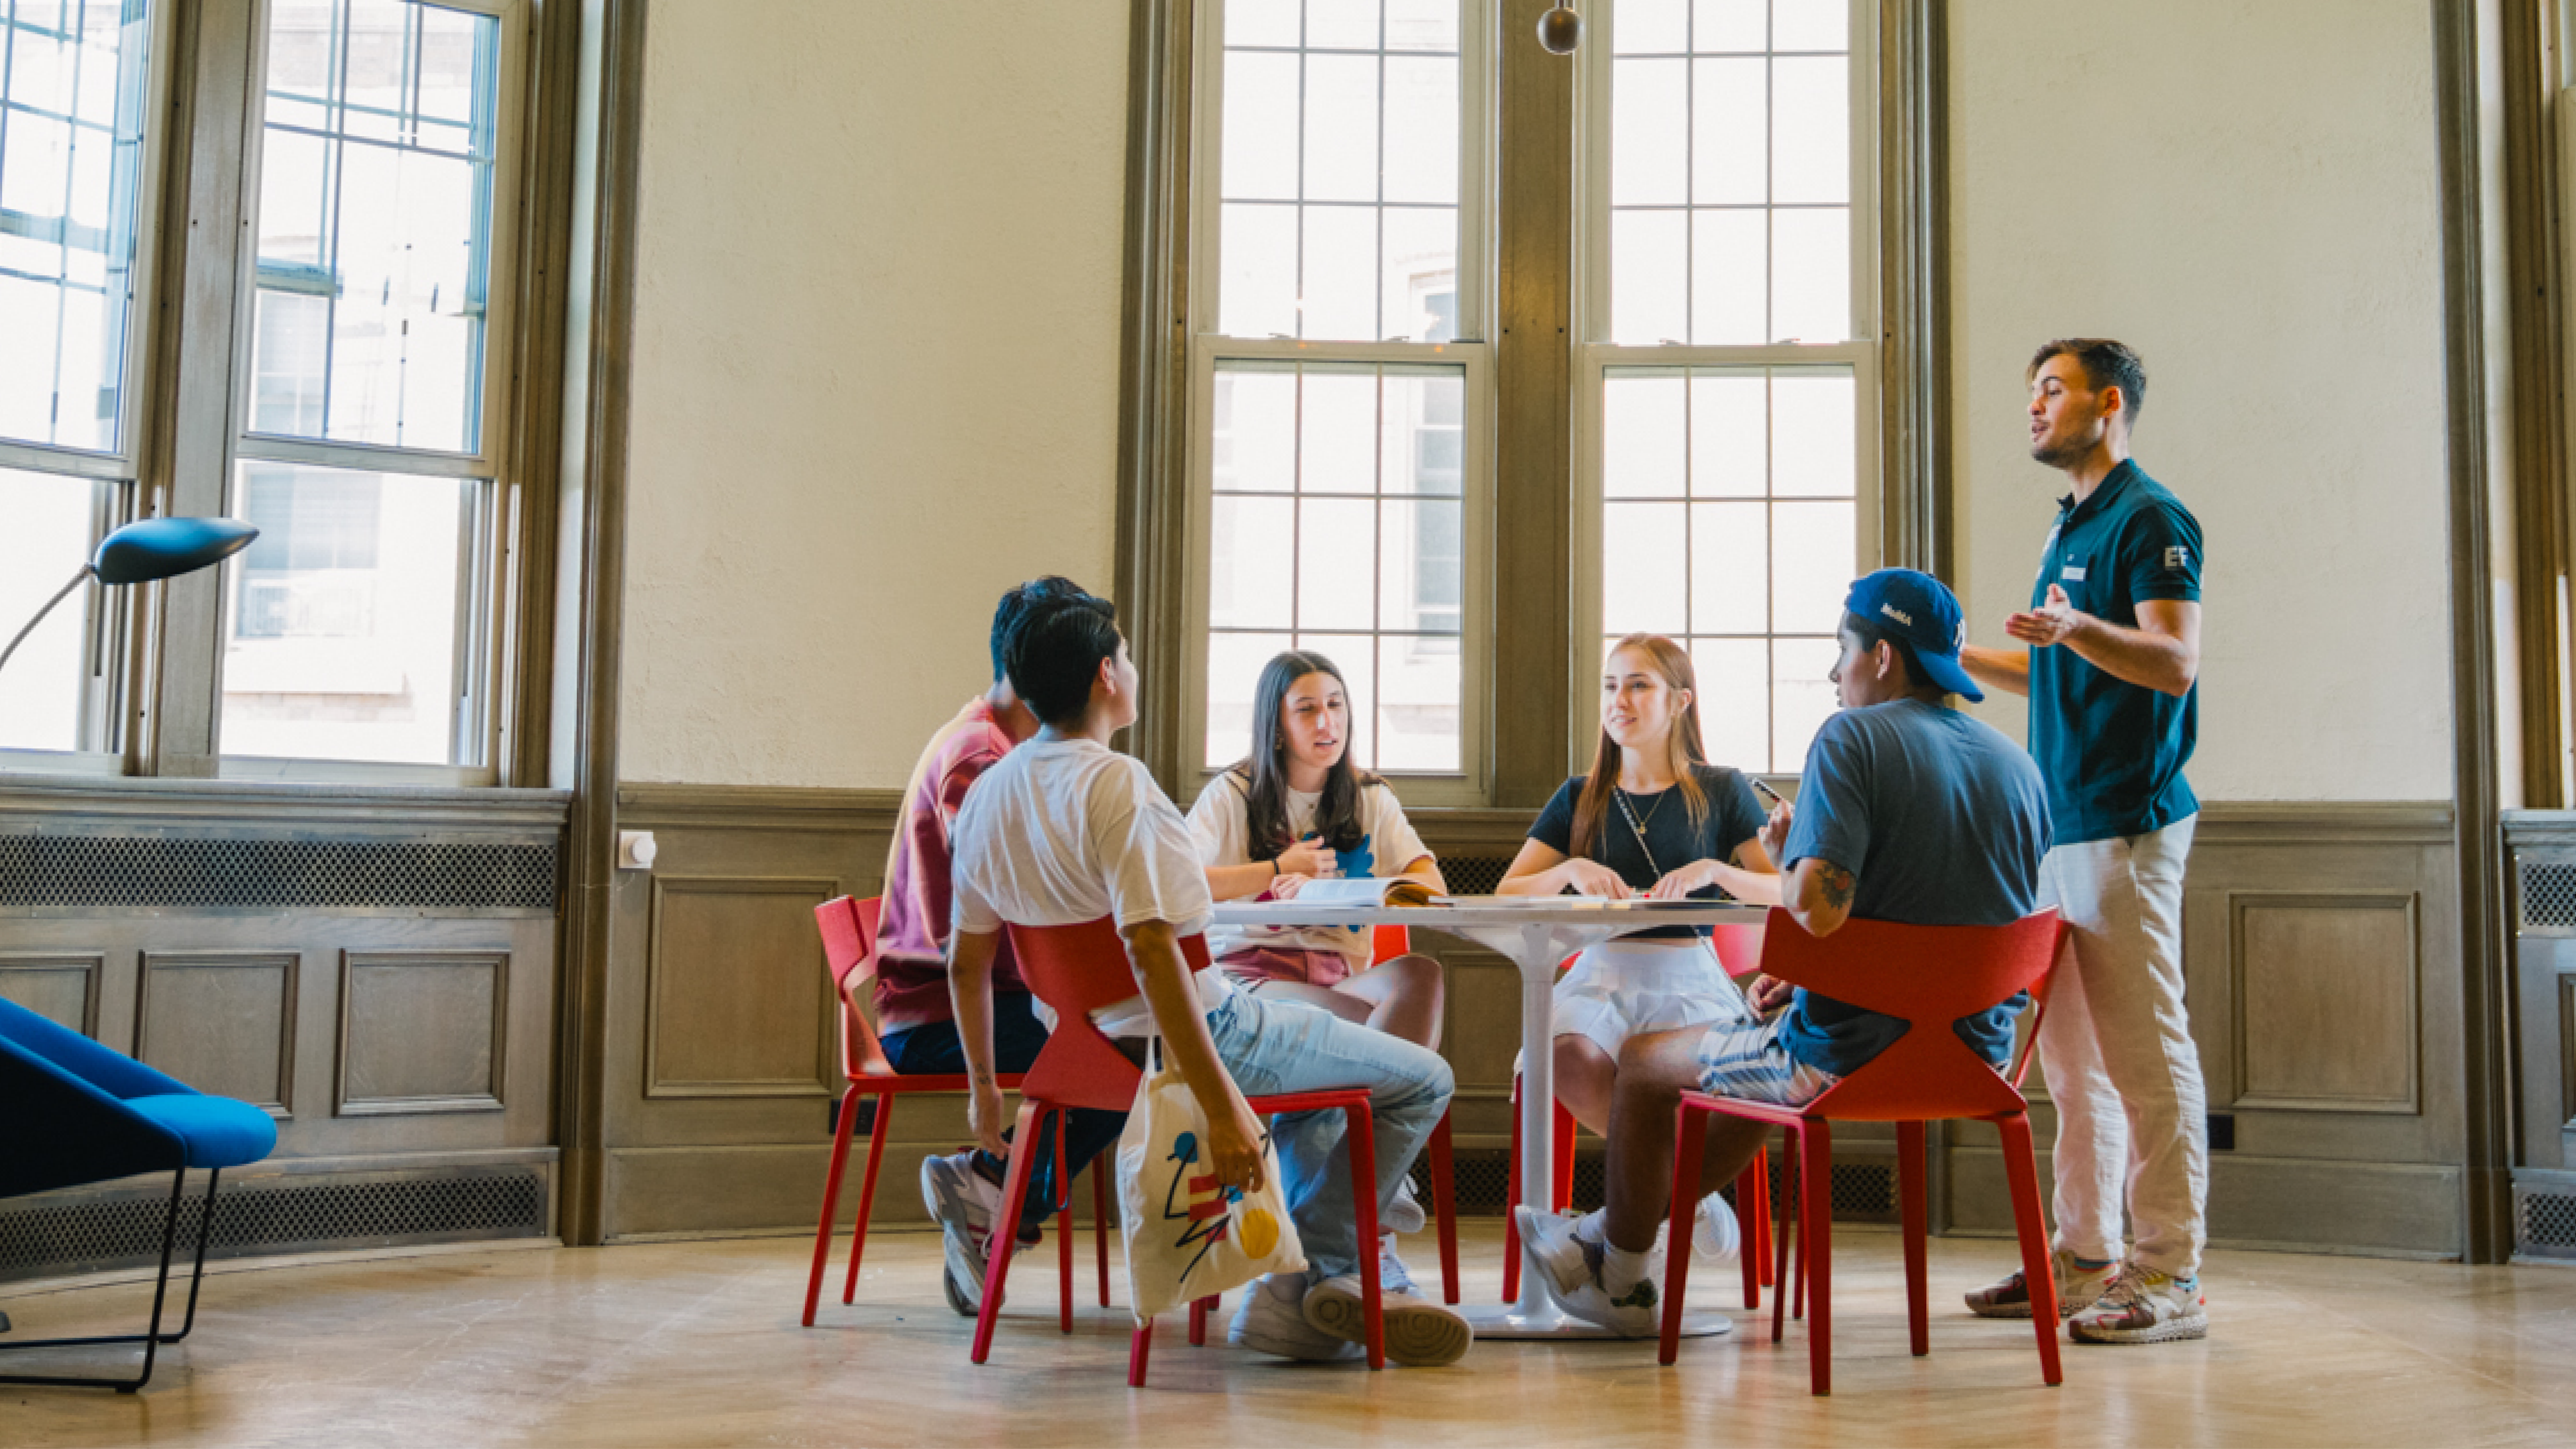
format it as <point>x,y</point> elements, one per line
<point>1929,976</point>
<point>1385,944</point>
<point>849,930</point>
<point>1739,950</point>
<point>1077,970</point>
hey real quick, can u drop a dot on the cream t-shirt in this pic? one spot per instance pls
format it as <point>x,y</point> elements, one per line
<point>1064,831</point>
<point>1222,823</point>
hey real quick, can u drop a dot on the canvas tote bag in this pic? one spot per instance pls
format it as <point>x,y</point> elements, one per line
<point>1188,1238</point>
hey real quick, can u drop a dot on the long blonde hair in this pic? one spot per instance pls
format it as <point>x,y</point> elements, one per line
<point>1682,748</point>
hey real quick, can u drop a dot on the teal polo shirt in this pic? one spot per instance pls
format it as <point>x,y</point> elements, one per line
<point>2112,752</point>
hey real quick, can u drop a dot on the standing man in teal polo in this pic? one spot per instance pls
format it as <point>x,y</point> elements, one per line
<point>2112,650</point>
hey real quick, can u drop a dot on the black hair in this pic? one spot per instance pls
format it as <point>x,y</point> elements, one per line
<point>1867,635</point>
<point>1055,653</point>
<point>1015,607</point>
<point>2106,364</point>
<point>1265,771</point>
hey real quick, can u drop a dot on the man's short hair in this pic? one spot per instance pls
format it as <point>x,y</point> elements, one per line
<point>1867,636</point>
<point>2106,364</point>
<point>1056,652</point>
<point>1015,607</point>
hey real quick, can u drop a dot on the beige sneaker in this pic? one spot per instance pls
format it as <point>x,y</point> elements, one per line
<point>2145,1306</point>
<point>2078,1288</point>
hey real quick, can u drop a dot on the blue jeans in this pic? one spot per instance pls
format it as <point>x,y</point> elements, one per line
<point>1282,1046</point>
<point>933,1049</point>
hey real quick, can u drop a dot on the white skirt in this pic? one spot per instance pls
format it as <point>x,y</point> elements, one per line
<point>1621,989</point>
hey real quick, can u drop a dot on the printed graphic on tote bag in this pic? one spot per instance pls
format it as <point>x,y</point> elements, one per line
<point>1204,1210</point>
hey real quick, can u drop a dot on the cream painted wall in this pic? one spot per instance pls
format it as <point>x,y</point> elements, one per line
<point>2247,193</point>
<point>875,373</point>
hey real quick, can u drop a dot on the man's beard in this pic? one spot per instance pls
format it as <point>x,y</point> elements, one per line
<point>2063,454</point>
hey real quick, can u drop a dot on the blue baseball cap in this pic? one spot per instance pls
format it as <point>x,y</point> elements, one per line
<point>1920,610</point>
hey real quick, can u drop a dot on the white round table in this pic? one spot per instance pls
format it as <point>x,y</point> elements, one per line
<point>1535,933</point>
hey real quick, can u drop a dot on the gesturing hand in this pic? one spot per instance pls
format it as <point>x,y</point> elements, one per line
<point>1775,832</point>
<point>2048,624</point>
<point>1309,857</point>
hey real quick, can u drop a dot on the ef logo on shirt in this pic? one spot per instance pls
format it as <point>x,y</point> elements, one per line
<point>2177,557</point>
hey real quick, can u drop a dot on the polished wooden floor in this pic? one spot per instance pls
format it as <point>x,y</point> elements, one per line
<point>697,1343</point>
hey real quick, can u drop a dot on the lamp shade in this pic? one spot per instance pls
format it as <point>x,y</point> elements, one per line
<point>160,548</point>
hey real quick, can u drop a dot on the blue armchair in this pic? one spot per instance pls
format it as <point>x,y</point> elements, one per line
<point>72,1111</point>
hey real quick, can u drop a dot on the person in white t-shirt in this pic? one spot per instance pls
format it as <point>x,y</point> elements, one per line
<point>1063,831</point>
<point>1298,809</point>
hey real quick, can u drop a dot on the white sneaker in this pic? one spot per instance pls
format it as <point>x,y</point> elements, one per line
<point>1569,1272</point>
<point>1272,1320</point>
<point>1404,1215</point>
<point>963,1204</point>
<point>1715,1235</point>
<point>1419,1332</point>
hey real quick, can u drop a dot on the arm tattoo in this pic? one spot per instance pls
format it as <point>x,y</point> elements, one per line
<point>1837,884</point>
<point>983,1078</point>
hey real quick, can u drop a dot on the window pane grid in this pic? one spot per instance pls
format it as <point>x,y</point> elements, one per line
<point>72,79</point>
<point>1340,220</point>
<point>1321,471</point>
<point>1688,129</point>
<point>379,141</point>
<point>1728,518</point>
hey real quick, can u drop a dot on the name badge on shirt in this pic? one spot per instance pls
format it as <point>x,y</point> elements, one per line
<point>2072,573</point>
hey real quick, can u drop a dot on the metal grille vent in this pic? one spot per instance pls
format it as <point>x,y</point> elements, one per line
<point>404,875</point>
<point>92,1234</point>
<point>2549,897</point>
<point>1473,875</point>
<point>1864,1192</point>
<point>2548,1225</point>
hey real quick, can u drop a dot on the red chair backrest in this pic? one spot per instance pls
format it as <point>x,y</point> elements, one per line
<point>1076,970</point>
<point>849,930</point>
<point>1388,942</point>
<point>1738,946</point>
<point>1929,976</point>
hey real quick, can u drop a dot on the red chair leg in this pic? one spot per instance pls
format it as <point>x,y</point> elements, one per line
<point>1140,1345</point>
<point>1798,1276</point>
<point>1910,1193</point>
<point>831,1202</point>
<point>1690,1141</point>
<point>2021,1170</point>
<point>1444,1208</point>
<point>1564,1145</point>
<point>1511,1204</point>
<point>1758,1176</point>
<point>1100,1219</point>
<point>1359,1129</point>
<point>1063,1234</point>
<point>1198,1321</point>
<point>868,1191</point>
<point>1786,1235</point>
<point>1015,1191</point>
<point>1748,1247</point>
<point>1816,1206</point>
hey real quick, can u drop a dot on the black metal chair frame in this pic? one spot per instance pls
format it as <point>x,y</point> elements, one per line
<point>152,1338</point>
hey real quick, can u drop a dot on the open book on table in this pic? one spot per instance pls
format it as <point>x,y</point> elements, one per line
<point>1393,890</point>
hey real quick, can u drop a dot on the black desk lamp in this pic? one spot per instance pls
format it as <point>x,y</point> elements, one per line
<point>155,548</point>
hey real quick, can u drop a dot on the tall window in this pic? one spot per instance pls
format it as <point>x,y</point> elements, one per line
<point>1729,447</point>
<point>361,621</point>
<point>73,113</point>
<point>1341,388</point>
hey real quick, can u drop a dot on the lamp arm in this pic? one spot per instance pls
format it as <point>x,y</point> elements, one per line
<point>65,592</point>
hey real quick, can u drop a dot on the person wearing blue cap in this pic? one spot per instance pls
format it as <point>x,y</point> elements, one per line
<point>1908,811</point>
<point>2109,653</point>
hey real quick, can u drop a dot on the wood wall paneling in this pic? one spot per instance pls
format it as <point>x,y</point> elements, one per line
<point>2325,991</point>
<point>739,1004</point>
<point>422,1031</point>
<point>61,987</point>
<point>222,1022</point>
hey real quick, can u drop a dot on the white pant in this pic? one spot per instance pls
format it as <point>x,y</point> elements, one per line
<point>2117,1051</point>
<point>1620,989</point>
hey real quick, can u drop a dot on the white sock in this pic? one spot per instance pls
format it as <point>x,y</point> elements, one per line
<point>1619,1268</point>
